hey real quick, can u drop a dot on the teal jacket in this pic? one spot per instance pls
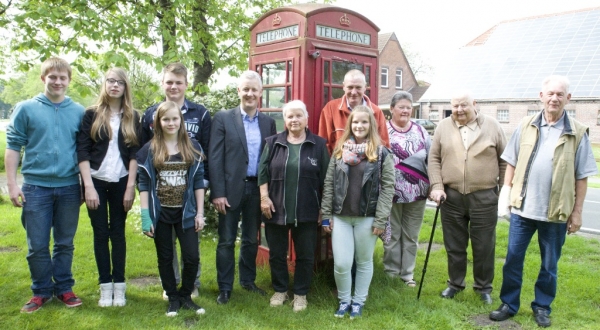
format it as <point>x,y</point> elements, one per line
<point>49,135</point>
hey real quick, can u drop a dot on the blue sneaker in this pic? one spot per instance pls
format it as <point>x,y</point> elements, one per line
<point>342,309</point>
<point>356,310</point>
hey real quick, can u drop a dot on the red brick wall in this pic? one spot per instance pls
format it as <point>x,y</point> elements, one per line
<point>393,58</point>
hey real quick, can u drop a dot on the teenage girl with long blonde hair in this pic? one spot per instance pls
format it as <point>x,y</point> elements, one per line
<point>357,198</point>
<point>171,186</point>
<point>107,143</point>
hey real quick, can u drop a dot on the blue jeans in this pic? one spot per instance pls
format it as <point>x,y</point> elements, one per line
<point>352,239</point>
<point>249,209</point>
<point>551,237</point>
<point>108,223</point>
<point>46,211</point>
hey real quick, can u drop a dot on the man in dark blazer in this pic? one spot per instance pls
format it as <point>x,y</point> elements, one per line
<point>236,141</point>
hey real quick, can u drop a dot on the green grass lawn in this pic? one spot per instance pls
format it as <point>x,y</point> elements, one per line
<point>390,304</point>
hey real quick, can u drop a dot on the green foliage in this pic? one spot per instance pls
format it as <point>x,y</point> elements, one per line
<point>205,35</point>
<point>220,99</point>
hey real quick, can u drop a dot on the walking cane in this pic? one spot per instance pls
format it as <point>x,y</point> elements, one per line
<point>437,211</point>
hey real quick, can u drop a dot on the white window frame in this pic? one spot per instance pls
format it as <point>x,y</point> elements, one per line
<point>434,115</point>
<point>532,112</point>
<point>502,115</point>
<point>384,73</point>
<point>398,76</point>
<point>571,113</point>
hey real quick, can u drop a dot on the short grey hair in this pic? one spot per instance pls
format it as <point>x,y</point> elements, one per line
<point>250,75</point>
<point>294,105</point>
<point>355,73</point>
<point>399,96</point>
<point>561,79</point>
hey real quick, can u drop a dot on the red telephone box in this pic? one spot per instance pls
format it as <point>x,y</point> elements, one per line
<point>303,52</point>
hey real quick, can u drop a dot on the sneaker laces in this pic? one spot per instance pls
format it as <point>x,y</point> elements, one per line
<point>299,301</point>
<point>356,308</point>
<point>343,306</point>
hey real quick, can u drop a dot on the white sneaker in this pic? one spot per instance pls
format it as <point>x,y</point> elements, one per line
<point>106,295</point>
<point>165,297</point>
<point>278,299</point>
<point>300,303</point>
<point>119,294</point>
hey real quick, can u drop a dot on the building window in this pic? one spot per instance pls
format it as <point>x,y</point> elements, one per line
<point>532,112</point>
<point>502,115</point>
<point>571,113</point>
<point>434,115</point>
<point>399,79</point>
<point>384,77</point>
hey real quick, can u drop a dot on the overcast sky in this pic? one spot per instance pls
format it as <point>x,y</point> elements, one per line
<point>435,28</point>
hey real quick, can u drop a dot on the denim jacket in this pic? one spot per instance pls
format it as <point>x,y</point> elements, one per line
<point>147,182</point>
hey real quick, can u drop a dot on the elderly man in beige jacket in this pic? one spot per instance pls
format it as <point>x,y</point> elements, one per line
<point>464,167</point>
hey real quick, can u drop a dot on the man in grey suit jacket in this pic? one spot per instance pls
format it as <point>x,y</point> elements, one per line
<point>236,141</point>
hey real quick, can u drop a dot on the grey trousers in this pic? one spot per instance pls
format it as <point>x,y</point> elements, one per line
<point>400,253</point>
<point>472,216</point>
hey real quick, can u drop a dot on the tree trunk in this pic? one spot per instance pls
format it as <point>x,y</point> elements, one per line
<point>167,25</point>
<point>203,67</point>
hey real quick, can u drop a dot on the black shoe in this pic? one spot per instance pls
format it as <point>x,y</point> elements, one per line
<point>174,306</point>
<point>449,293</point>
<point>188,303</point>
<point>541,317</point>
<point>223,297</point>
<point>253,288</point>
<point>486,298</point>
<point>501,314</point>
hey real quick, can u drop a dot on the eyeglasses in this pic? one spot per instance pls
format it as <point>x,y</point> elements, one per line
<point>111,81</point>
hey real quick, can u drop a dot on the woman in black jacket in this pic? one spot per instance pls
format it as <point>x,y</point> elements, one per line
<point>291,175</point>
<point>107,144</point>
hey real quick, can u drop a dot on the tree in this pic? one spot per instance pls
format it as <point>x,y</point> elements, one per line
<point>206,35</point>
<point>418,63</point>
<point>221,99</point>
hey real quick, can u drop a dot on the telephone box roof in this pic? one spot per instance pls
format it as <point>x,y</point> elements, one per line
<point>310,9</point>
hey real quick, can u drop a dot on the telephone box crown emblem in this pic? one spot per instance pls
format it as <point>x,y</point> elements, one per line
<point>344,20</point>
<point>276,20</point>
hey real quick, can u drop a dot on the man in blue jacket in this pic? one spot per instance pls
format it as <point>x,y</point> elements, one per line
<point>197,124</point>
<point>46,126</point>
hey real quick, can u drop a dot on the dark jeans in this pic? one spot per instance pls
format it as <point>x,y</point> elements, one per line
<point>472,216</point>
<point>551,237</point>
<point>108,223</point>
<point>50,211</point>
<point>249,209</point>
<point>304,237</point>
<point>188,241</point>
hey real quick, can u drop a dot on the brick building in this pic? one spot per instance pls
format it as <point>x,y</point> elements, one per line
<point>395,73</point>
<point>505,66</point>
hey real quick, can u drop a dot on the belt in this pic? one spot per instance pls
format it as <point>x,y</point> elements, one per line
<point>251,178</point>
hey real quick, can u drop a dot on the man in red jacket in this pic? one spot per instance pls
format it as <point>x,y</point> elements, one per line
<point>336,112</point>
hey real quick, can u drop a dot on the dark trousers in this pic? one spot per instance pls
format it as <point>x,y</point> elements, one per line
<point>471,216</point>
<point>249,209</point>
<point>188,241</point>
<point>304,236</point>
<point>108,223</point>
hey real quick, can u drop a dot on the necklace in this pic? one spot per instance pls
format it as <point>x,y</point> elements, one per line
<point>402,129</point>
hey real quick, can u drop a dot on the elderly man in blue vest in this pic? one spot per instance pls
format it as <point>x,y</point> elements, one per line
<point>549,160</point>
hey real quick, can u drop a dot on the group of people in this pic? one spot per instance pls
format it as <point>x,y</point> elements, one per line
<point>358,177</point>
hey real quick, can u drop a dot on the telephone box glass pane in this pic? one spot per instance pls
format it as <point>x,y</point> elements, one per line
<point>273,73</point>
<point>368,75</point>
<point>273,97</point>
<point>289,96</point>
<point>340,69</point>
<point>289,78</point>
<point>326,97</point>
<point>336,92</point>
<point>278,116</point>
<point>326,72</point>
